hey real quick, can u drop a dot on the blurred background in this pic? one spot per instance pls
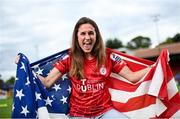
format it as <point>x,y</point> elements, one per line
<point>39,28</point>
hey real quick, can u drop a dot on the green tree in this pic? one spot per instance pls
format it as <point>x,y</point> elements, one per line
<point>174,39</point>
<point>167,41</point>
<point>11,80</point>
<point>114,43</point>
<point>139,42</point>
<point>1,82</point>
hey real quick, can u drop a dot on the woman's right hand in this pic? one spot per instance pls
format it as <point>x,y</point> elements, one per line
<point>17,59</point>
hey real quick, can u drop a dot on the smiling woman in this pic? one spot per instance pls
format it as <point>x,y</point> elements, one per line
<point>89,65</point>
<point>86,38</point>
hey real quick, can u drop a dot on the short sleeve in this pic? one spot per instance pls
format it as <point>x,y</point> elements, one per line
<point>117,62</point>
<point>63,65</point>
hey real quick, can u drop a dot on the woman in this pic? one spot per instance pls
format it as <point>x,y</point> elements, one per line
<point>88,64</point>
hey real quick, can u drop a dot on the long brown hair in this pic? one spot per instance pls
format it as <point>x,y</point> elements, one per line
<point>77,53</point>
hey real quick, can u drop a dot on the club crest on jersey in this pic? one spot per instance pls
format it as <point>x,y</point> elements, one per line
<point>115,57</point>
<point>103,70</point>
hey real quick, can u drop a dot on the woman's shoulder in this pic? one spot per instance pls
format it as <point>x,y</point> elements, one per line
<point>113,54</point>
<point>65,55</point>
<point>108,50</point>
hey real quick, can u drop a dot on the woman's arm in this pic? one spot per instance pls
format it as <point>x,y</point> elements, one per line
<point>52,77</point>
<point>17,59</point>
<point>133,76</point>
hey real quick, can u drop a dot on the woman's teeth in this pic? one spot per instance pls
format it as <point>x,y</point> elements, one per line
<point>87,43</point>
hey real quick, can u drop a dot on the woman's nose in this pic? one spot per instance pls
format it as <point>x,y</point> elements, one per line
<point>87,36</point>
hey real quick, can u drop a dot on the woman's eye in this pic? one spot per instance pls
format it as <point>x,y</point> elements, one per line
<point>83,33</point>
<point>91,33</point>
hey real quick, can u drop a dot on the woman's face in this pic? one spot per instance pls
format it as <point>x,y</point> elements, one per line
<point>86,37</point>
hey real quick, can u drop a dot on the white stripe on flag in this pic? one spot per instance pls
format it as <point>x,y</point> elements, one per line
<point>147,112</point>
<point>157,80</point>
<point>124,96</point>
<point>160,107</point>
<point>57,116</point>
<point>172,88</point>
<point>43,113</point>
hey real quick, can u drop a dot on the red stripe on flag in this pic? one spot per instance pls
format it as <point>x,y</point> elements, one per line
<point>156,83</point>
<point>173,106</point>
<point>135,103</point>
<point>121,85</point>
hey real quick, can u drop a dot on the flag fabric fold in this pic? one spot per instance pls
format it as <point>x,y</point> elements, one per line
<point>31,99</point>
<point>154,96</point>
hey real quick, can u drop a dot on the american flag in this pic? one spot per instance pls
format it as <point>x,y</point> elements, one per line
<point>31,99</point>
<point>154,96</point>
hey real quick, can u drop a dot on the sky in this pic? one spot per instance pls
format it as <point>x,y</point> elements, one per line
<point>39,28</point>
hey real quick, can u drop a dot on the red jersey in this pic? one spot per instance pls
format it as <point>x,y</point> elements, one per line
<point>90,96</point>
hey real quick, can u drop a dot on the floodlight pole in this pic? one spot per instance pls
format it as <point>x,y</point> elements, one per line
<point>155,20</point>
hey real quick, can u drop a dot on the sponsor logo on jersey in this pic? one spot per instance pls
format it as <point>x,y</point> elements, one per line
<point>115,57</point>
<point>89,85</point>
